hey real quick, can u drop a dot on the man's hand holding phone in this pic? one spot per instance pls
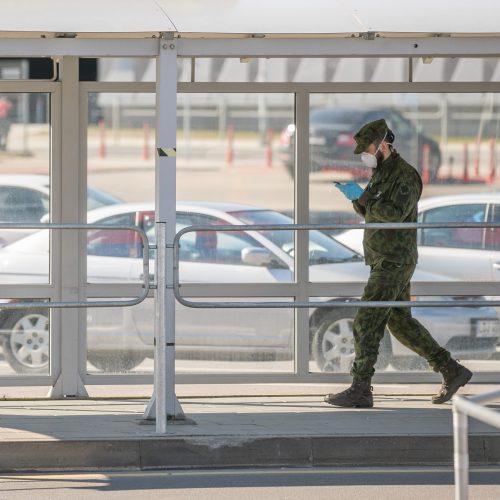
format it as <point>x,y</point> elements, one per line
<point>351,190</point>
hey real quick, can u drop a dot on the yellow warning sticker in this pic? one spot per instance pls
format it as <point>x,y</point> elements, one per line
<point>167,152</point>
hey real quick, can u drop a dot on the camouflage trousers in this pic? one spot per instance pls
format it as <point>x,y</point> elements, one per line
<point>390,281</point>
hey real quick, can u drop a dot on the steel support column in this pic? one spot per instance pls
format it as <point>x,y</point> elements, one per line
<point>71,267</point>
<point>164,404</point>
<point>302,237</point>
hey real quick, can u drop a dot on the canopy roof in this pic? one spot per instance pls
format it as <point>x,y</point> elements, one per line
<point>244,17</point>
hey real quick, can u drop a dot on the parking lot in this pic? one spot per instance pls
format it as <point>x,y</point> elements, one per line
<point>204,174</point>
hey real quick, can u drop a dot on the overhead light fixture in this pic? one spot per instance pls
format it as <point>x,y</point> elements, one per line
<point>245,60</point>
<point>427,60</point>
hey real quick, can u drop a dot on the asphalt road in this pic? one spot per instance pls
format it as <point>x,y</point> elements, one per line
<point>276,484</point>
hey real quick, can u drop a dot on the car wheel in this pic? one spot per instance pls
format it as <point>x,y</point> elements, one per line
<point>332,345</point>
<point>26,346</point>
<point>115,362</point>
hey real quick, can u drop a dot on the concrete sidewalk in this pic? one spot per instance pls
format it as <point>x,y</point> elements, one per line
<point>291,430</point>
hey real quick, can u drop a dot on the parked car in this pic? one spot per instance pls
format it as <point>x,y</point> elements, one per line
<point>331,140</point>
<point>26,198</point>
<point>465,254</point>
<point>123,337</point>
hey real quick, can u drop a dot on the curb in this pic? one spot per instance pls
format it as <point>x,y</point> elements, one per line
<point>237,451</point>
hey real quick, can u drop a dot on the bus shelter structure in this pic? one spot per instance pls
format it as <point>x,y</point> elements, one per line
<point>189,30</point>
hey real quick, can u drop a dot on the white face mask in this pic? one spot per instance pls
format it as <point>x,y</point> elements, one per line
<point>369,159</point>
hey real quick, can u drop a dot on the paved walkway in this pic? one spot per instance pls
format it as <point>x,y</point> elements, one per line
<point>288,430</point>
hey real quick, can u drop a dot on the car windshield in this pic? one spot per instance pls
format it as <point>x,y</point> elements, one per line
<point>97,199</point>
<point>322,248</point>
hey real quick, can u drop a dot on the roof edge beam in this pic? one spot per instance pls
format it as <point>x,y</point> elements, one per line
<point>54,47</point>
<point>336,87</point>
<point>335,47</point>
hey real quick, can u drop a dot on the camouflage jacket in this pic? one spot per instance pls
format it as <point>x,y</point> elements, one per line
<point>393,194</point>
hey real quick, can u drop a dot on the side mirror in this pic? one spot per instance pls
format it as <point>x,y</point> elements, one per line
<point>254,256</point>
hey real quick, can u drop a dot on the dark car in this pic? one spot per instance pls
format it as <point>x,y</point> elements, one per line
<point>331,141</point>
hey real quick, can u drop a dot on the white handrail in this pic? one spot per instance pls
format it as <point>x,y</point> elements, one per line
<point>146,282</point>
<point>463,408</point>
<point>320,304</point>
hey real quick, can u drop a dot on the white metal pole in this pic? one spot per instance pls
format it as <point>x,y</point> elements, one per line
<point>461,455</point>
<point>302,166</point>
<point>167,406</point>
<point>72,270</point>
<point>160,373</point>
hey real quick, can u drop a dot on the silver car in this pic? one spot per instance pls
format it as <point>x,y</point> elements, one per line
<point>465,254</point>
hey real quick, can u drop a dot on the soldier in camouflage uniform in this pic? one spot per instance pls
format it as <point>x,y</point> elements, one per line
<point>391,196</point>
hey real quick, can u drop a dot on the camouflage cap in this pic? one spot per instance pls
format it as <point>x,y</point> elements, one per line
<point>370,133</point>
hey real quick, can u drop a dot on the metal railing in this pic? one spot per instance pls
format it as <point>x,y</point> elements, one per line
<point>322,304</point>
<point>463,408</point>
<point>146,284</point>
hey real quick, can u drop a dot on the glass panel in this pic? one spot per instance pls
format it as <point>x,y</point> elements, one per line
<point>120,148</point>
<point>126,69</point>
<point>470,334</point>
<point>120,156</point>
<point>237,248</point>
<point>340,70</point>
<point>120,339</point>
<point>218,341</point>
<point>24,185</point>
<point>229,161</point>
<point>233,140</point>
<point>452,141</point>
<point>226,145</point>
<point>15,69</point>
<point>115,255</point>
<point>234,340</point>
<point>225,150</point>
<point>25,336</point>
<point>456,69</point>
<point>317,69</point>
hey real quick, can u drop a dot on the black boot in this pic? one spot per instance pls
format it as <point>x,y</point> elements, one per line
<point>359,395</point>
<point>454,376</point>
